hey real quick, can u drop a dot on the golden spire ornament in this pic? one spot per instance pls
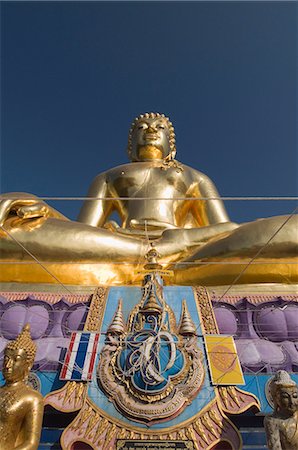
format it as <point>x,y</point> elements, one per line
<point>186,326</point>
<point>117,324</point>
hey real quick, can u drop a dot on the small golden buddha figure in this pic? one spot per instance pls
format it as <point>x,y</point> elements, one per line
<point>21,407</point>
<point>282,426</point>
<point>156,198</point>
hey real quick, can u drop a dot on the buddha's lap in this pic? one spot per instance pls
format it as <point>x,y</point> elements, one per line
<point>274,236</point>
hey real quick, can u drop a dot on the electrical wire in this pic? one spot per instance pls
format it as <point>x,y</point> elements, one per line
<point>246,198</point>
<point>137,264</point>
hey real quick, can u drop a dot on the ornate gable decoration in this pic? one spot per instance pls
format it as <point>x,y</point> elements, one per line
<point>150,367</point>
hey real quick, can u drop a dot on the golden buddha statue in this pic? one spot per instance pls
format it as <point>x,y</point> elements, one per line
<point>157,198</point>
<point>21,407</point>
<point>282,426</point>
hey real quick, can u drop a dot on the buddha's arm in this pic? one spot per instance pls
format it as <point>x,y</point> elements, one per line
<point>272,434</point>
<point>95,212</point>
<point>209,212</point>
<point>32,423</point>
<point>211,209</point>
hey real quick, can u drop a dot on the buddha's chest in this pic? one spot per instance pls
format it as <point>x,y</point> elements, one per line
<point>153,182</point>
<point>11,410</point>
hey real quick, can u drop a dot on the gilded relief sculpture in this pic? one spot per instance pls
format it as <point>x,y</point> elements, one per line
<point>151,368</point>
<point>282,426</point>
<point>157,199</point>
<point>21,407</point>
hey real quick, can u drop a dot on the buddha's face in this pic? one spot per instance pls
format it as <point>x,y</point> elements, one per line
<point>288,399</point>
<point>150,140</point>
<point>15,365</point>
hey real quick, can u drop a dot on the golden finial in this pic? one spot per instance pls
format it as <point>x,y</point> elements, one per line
<point>117,324</point>
<point>152,265</point>
<point>152,257</point>
<point>151,305</point>
<point>187,326</point>
<point>24,342</point>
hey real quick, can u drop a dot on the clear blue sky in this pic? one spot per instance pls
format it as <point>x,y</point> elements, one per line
<point>74,75</point>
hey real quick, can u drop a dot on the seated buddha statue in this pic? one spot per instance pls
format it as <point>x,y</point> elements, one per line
<point>157,199</point>
<point>21,407</point>
<point>282,426</point>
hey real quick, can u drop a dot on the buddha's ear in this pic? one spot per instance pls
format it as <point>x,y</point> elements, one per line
<point>27,368</point>
<point>26,374</point>
<point>171,155</point>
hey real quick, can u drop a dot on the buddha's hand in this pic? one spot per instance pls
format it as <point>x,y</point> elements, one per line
<point>16,207</point>
<point>111,225</point>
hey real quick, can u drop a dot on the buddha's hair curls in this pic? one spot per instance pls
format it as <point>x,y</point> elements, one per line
<point>152,115</point>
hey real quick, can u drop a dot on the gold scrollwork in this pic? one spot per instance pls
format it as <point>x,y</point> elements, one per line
<point>216,418</point>
<point>94,318</point>
<point>200,430</point>
<point>208,425</point>
<point>209,324</point>
<point>100,429</point>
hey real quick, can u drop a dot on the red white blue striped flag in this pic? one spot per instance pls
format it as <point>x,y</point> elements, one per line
<point>80,357</point>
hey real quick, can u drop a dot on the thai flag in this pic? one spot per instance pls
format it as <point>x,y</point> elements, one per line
<point>80,357</point>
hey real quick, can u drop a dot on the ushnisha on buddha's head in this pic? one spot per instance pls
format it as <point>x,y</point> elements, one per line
<point>151,137</point>
<point>285,394</point>
<point>19,357</point>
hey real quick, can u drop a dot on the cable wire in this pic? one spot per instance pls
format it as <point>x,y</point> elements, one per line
<point>251,198</point>
<point>258,253</point>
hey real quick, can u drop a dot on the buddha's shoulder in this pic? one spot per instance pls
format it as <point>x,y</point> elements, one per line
<point>133,168</point>
<point>123,168</point>
<point>32,395</point>
<point>195,173</point>
<point>273,420</point>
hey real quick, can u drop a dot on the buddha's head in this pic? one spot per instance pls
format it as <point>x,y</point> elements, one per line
<point>285,394</point>
<point>151,137</point>
<point>19,357</point>
<point>287,399</point>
